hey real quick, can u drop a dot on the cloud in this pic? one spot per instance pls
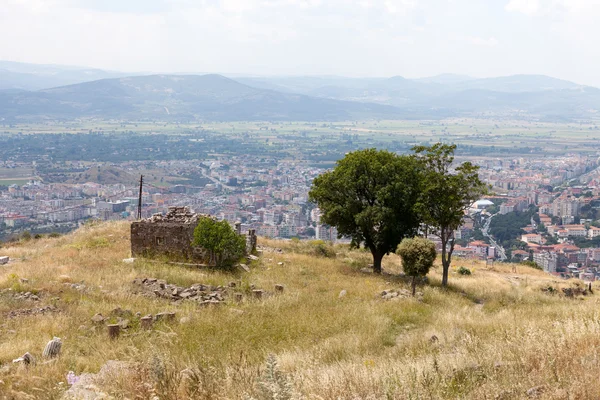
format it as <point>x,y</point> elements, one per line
<point>528,7</point>
<point>478,41</point>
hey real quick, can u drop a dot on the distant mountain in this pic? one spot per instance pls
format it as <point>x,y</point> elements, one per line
<point>181,97</point>
<point>15,75</point>
<point>535,96</point>
<point>445,79</point>
<point>29,91</point>
<point>517,84</point>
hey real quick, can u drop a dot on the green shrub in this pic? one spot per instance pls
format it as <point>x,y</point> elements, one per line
<point>322,249</point>
<point>26,236</point>
<point>531,264</point>
<point>224,245</point>
<point>418,255</point>
<point>54,235</point>
<point>464,271</point>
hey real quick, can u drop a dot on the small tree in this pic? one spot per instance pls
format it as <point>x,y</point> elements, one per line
<point>224,245</point>
<point>418,255</point>
<point>447,194</point>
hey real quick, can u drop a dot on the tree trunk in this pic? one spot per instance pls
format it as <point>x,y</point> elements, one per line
<point>414,285</point>
<point>445,261</point>
<point>377,257</point>
<point>446,255</point>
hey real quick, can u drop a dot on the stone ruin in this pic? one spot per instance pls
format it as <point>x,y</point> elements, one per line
<point>172,235</point>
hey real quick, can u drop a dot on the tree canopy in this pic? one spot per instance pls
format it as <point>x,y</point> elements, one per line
<point>370,196</point>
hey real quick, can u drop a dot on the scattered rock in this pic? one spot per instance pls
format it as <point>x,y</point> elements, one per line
<point>23,280</point>
<point>342,293</point>
<point>114,330</point>
<point>258,294</point>
<point>280,264</point>
<point>366,270</point>
<point>244,267</point>
<point>536,391</point>
<point>166,316</point>
<point>26,359</point>
<point>98,318</point>
<point>203,294</point>
<point>434,339</point>
<point>4,260</point>
<point>147,322</point>
<point>32,311</point>
<point>26,296</point>
<point>53,348</point>
<point>397,294</point>
<point>279,288</point>
<point>184,320</point>
<point>128,260</point>
<point>253,258</point>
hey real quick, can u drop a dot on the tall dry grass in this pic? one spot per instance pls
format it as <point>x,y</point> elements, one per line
<point>491,335</point>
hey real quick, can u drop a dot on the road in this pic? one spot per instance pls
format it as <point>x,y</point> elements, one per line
<point>499,249</point>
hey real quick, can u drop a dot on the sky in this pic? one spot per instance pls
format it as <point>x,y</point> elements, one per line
<point>356,38</point>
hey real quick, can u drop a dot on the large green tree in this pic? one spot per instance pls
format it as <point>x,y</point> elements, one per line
<point>370,196</point>
<point>447,193</point>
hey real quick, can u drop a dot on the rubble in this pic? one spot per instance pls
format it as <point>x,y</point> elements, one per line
<point>4,260</point>
<point>203,294</point>
<point>26,296</point>
<point>32,311</point>
<point>397,294</point>
<point>176,214</point>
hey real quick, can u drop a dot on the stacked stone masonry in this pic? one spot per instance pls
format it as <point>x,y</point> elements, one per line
<point>172,235</point>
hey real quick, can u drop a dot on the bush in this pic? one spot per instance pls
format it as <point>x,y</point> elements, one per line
<point>322,249</point>
<point>38,236</point>
<point>54,235</point>
<point>532,264</point>
<point>224,245</point>
<point>418,255</point>
<point>26,236</point>
<point>464,271</point>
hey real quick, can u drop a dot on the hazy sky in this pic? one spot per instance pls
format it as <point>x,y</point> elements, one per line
<point>412,38</point>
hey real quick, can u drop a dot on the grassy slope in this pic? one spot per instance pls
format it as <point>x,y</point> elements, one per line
<point>498,334</point>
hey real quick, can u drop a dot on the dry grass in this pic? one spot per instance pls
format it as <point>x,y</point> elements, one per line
<point>496,333</point>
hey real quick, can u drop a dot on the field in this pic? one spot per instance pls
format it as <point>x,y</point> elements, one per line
<point>499,137</point>
<point>329,335</point>
<point>16,176</point>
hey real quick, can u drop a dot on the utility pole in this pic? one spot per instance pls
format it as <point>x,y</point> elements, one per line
<point>139,213</point>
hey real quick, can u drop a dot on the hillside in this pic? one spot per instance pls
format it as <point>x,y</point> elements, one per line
<point>532,96</point>
<point>104,175</point>
<point>307,98</point>
<point>494,334</point>
<point>17,75</point>
<point>179,97</point>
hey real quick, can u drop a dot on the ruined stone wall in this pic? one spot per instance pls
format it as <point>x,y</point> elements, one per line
<point>152,239</point>
<point>251,241</point>
<point>172,235</point>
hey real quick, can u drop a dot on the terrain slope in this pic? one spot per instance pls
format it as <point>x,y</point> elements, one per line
<point>330,334</point>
